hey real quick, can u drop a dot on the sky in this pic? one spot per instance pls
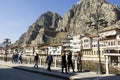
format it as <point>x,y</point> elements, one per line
<point>17,15</point>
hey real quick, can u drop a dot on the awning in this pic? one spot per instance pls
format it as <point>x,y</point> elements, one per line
<point>110,33</point>
<point>112,54</point>
<point>111,48</point>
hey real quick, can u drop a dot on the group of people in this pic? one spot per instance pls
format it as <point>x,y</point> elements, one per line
<point>17,57</point>
<point>66,62</point>
<point>49,61</point>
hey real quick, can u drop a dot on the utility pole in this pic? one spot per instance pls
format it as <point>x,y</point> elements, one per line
<point>97,22</point>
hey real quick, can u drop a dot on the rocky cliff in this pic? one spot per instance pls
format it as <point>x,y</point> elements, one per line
<point>80,19</point>
<point>41,31</point>
<point>76,19</point>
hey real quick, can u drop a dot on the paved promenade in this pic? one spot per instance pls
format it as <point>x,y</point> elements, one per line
<point>56,72</point>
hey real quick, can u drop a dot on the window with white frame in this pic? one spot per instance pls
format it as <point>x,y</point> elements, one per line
<point>86,40</point>
<point>111,43</point>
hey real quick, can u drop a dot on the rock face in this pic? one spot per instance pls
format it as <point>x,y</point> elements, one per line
<point>80,19</point>
<point>41,31</point>
<point>74,21</point>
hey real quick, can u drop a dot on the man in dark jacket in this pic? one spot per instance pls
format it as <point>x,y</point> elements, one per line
<point>70,61</point>
<point>49,61</point>
<point>63,62</point>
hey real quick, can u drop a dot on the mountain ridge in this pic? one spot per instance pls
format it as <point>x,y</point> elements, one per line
<point>49,27</point>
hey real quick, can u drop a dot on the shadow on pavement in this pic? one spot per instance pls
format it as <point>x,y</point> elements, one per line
<point>5,72</point>
<point>15,74</point>
<point>58,74</point>
<point>53,73</point>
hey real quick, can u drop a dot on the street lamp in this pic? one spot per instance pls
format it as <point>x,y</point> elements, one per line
<point>7,42</point>
<point>98,22</point>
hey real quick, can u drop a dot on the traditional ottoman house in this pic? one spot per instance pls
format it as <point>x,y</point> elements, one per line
<point>111,40</point>
<point>86,45</point>
<point>43,51</point>
<point>28,50</point>
<point>66,43</point>
<point>89,48</point>
<point>94,48</point>
<point>75,45</point>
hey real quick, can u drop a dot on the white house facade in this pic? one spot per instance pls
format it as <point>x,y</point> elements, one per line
<point>55,50</point>
<point>75,44</point>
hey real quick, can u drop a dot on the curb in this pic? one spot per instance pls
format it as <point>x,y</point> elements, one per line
<point>44,73</point>
<point>57,75</point>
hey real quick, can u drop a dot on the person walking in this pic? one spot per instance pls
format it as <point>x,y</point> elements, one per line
<point>70,64</point>
<point>64,62</point>
<point>79,62</point>
<point>49,61</point>
<point>13,57</point>
<point>20,57</point>
<point>16,57</point>
<point>36,59</point>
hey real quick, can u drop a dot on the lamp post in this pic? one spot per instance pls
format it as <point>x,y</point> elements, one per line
<point>7,42</point>
<point>98,22</point>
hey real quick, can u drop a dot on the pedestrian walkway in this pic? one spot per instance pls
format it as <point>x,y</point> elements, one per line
<point>56,72</point>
